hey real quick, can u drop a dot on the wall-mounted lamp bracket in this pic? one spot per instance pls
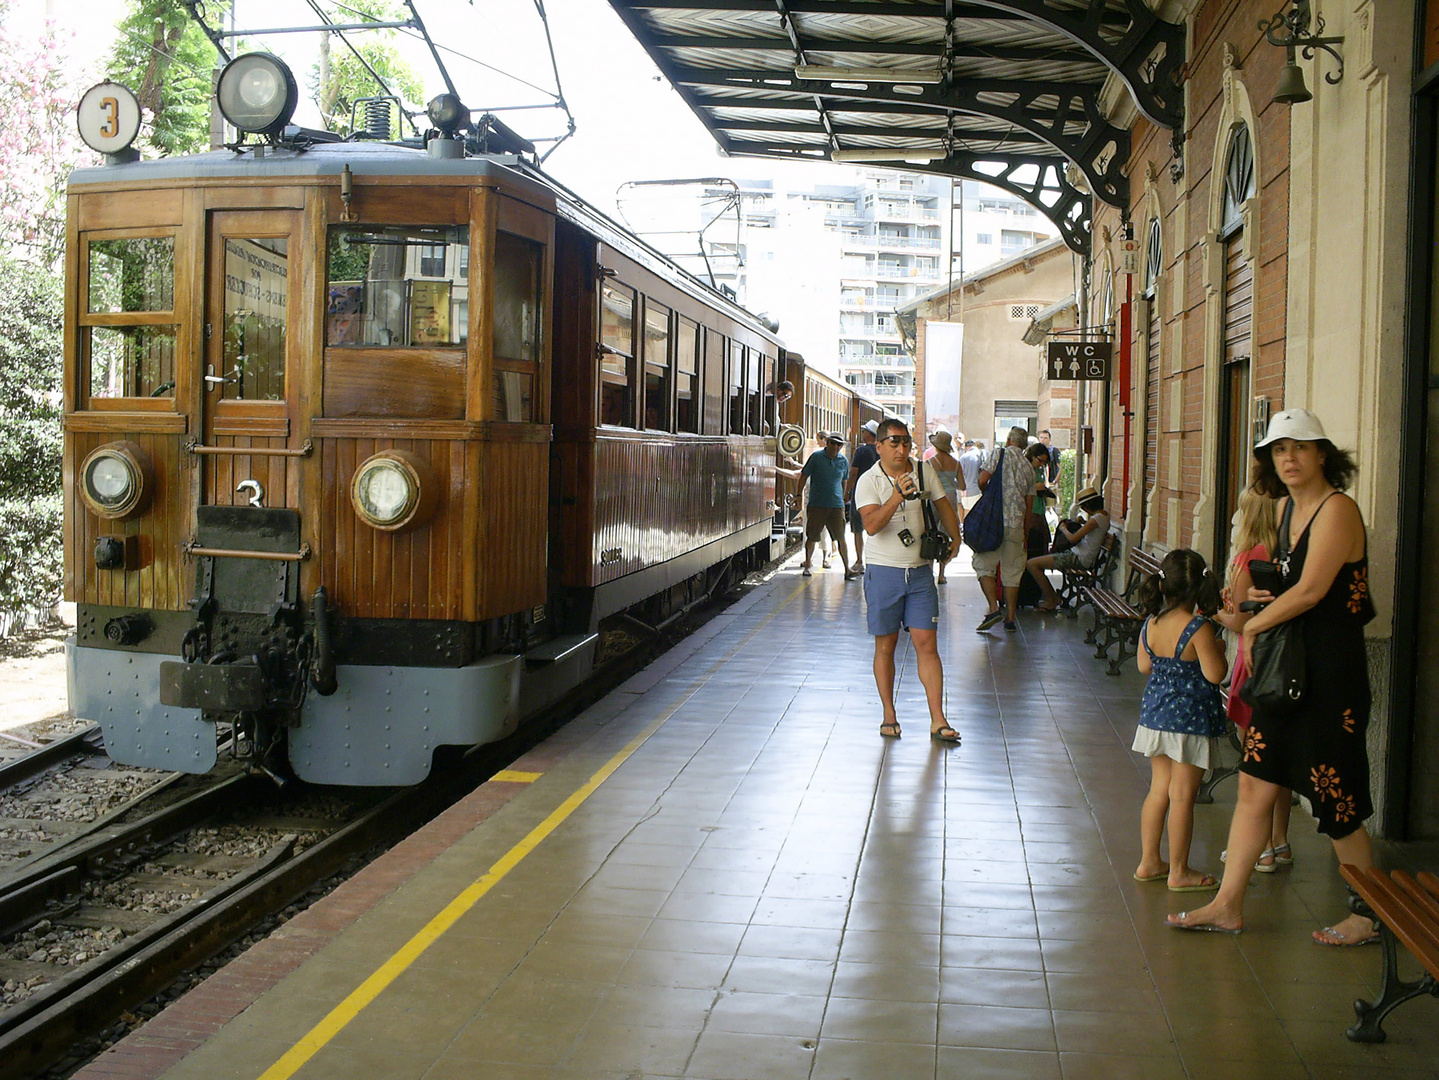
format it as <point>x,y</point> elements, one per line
<point>1289,29</point>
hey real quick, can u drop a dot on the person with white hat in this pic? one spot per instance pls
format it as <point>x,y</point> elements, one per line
<point>1317,746</point>
<point>1082,546</point>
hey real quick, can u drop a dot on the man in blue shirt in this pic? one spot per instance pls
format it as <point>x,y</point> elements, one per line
<point>828,469</point>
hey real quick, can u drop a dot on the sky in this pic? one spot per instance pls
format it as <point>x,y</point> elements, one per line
<point>630,124</point>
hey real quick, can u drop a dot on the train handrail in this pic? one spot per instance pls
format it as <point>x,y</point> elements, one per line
<point>193,548</point>
<point>305,450</point>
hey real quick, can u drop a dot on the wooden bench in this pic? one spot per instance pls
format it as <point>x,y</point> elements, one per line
<point>1407,907</point>
<point>1115,614</point>
<point>1071,592</point>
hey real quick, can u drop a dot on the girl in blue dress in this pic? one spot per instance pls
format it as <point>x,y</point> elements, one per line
<point>1181,716</point>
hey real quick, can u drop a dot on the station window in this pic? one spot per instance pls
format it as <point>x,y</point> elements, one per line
<point>256,318</point>
<point>128,328</point>
<point>657,366</point>
<point>517,325</point>
<point>617,353</point>
<point>736,388</point>
<point>388,287</point>
<point>687,383</point>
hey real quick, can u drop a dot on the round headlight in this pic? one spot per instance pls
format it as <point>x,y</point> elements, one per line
<point>115,480</point>
<point>257,93</point>
<point>393,490</point>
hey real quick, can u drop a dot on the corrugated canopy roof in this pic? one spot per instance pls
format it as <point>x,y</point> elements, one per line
<point>1004,91</point>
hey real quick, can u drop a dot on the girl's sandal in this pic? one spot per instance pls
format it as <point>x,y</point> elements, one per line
<point>1283,855</point>
<point>889,730</point>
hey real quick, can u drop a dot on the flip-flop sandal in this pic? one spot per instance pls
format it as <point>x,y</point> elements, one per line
<point>1208,884</point>
<point>1161,876</point>
<point>890,731</point>
<point>945,734</point>
<point>1208,928</point>
<point>1341,942</point>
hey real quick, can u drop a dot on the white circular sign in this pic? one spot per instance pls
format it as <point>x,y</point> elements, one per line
<point>109,117</point>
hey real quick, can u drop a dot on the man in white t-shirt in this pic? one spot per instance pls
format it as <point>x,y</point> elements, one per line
<point>898,583</point>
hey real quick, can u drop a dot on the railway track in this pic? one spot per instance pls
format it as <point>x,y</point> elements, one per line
<point>70,911</point>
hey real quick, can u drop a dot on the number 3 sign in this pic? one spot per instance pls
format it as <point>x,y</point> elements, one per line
<point>108,117</point>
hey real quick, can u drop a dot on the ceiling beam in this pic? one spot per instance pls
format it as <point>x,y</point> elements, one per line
<point>893,48</point>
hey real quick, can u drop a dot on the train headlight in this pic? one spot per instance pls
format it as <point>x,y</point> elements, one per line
<point>257,93</point>
<point>394,490</point>
<point>116,480</point>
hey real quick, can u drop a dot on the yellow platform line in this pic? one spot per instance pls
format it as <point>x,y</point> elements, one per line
<point>515,776</point>
<point>314,1040</point>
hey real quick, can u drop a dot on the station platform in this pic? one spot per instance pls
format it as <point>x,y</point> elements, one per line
<point>722,872</point>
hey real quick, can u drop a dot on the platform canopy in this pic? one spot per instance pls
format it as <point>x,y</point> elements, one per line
<point>1002,91</point>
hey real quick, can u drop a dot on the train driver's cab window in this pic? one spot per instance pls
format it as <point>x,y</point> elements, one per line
<point>398,286</point>
<point>128,325</point>
<point>257,275</point>
<point>617,351</point>
<point>517,325</point>
<point>687,383</point>
<point>657,366</point>
<point>736,388</point>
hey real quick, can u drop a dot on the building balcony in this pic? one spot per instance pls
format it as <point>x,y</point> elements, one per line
<point>875,361</point>
<point>918,273</point>
<point>897,243</point>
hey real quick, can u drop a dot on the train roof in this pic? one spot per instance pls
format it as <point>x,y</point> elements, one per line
<point>328,159</point>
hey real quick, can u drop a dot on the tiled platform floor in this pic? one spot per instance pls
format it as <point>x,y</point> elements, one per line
<point>766,889</point>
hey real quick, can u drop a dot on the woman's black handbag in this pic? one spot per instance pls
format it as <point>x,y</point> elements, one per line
<point>935,544</point>
<point>1276,680</point>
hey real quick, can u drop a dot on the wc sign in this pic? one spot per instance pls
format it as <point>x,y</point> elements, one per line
<point>1070,360</point>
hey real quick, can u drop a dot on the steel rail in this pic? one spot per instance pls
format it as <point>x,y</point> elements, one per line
<point>84,741</point>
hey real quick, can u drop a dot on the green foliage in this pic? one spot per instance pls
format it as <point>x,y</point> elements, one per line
<point>159,46</point>
<point>31,307</point>
<point>1066,482</point>
<point>31,561</point>
<point>338,79</point>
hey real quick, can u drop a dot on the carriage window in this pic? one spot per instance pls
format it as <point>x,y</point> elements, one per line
<point>133,276</point>
<point>517,298</point>
<point>657,366</point>
<point>256,293</point>
<point>736,388</point>
<point>131,361</point>
<point>514,397</point>
<point>754,387</point>
<point>687,390</point>
<point>395,286</point>
<point>617,336</point>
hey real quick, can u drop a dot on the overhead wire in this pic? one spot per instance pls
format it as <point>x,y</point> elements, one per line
<point>406,113</point>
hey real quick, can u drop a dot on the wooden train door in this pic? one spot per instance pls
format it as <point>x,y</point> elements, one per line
<point>249,438</point>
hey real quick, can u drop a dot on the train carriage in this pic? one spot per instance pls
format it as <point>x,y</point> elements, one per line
<point>365,439</point>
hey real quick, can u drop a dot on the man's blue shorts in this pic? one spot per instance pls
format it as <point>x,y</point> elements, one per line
<point>897,596</point>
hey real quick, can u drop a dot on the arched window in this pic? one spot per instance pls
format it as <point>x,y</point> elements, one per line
<point>1238,178</point>
<point>1154,257</point>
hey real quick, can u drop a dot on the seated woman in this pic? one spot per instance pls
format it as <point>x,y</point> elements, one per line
<point>1085,544</point>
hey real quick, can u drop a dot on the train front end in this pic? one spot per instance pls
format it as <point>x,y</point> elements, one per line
<point>306,462</point>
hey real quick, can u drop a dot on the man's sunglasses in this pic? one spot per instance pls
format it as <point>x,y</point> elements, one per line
<point>898,440</point>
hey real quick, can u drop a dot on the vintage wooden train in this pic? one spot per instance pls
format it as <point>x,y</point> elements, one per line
<point>363,440</point>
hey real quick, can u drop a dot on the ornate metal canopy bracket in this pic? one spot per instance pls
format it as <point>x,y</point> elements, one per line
<point>1147,54</point>
<point>1099,151</point>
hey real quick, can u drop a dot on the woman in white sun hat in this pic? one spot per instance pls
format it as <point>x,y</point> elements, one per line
<point>1317,748</point>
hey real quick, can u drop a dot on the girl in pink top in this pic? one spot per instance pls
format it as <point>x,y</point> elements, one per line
<point>1256,537</point>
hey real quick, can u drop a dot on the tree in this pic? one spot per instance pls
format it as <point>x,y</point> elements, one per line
<point>339,79</point>
<point>38,142</point>
<point>161,45</point>
<point>31,309</point>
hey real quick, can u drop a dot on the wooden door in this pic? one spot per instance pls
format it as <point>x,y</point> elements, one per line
<point>252,352</point>
<point>1234,435</point>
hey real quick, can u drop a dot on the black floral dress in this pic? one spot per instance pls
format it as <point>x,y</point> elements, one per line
<point>1318,749</point>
